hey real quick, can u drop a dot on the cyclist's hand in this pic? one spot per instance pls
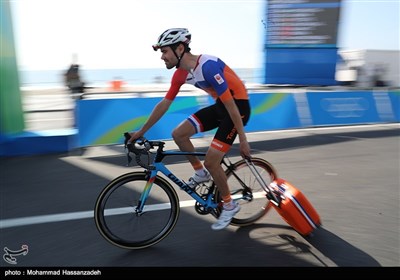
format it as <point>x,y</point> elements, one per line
<point>245,149</point>
<point>134,136</point>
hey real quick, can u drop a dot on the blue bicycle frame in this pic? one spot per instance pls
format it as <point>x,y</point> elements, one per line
<point>159,166</point>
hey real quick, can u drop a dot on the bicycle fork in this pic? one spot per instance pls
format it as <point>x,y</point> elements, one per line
<point>145,194</point>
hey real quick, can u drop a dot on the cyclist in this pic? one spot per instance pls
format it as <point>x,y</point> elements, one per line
<point>229,114</point>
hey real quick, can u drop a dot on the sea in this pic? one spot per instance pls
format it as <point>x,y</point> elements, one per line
<point>42,79</point>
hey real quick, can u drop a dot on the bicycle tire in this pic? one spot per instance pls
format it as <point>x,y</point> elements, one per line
<point>254,209</point>
<point>115,215</point>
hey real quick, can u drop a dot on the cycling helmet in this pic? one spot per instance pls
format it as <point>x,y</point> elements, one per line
<point>173,36</point>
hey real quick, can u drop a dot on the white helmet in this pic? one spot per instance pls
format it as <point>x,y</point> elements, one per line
<point>173,36</point>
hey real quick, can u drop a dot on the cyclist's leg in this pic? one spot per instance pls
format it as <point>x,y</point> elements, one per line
<point>181,135</point>
<point>212,162</point>
<point>220,145</point>
<point>200,121</point>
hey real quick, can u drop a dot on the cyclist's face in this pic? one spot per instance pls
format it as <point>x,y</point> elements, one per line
<point>169,57</point>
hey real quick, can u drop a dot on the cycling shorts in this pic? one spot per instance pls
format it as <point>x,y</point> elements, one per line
<point>216,116</point>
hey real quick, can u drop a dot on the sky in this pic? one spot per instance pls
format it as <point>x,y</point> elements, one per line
<point>106,34</point>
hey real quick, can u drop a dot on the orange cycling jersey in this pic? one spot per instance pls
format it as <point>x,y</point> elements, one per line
<point>212,75</point>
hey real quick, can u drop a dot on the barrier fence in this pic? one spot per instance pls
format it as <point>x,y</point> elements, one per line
<point>103,121</point>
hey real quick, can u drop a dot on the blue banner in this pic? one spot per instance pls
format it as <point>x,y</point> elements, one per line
<point>103,121</point>
<point>304,66</point>
<point>338,108</point>
<point>270,111</point>
<point>395,100</point>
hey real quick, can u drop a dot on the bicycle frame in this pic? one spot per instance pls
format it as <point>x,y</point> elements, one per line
<point>159,167</point>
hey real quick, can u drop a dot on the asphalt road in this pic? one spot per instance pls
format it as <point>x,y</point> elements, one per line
<point>350,174</point>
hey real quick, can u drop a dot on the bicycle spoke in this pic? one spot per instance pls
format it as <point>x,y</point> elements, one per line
<point>247,190</point>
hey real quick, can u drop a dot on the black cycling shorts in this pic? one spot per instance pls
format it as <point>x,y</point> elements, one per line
<point>216,116</point>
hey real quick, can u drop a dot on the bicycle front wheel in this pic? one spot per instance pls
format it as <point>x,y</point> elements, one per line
<point>118,219</point>
<point>248,191</point>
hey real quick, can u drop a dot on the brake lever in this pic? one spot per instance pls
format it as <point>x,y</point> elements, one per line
<point>140,141</point>
<point>126,143</point>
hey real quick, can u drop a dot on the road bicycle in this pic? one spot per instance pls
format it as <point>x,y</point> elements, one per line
<point>139,209</point>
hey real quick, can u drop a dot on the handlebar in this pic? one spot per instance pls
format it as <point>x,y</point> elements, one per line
<point>140,147</point>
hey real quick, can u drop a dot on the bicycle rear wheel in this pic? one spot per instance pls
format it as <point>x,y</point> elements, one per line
<point>122,225</point>
<point>247,190</point>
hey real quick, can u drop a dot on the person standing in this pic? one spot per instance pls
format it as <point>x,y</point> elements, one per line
<point>73,79</point>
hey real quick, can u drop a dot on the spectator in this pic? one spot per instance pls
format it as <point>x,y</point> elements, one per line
<point>73,80</point>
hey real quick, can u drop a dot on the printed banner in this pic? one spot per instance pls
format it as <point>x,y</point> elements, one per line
<point>338,108</point>
<point>103,121</point>
<point>271,111</point>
